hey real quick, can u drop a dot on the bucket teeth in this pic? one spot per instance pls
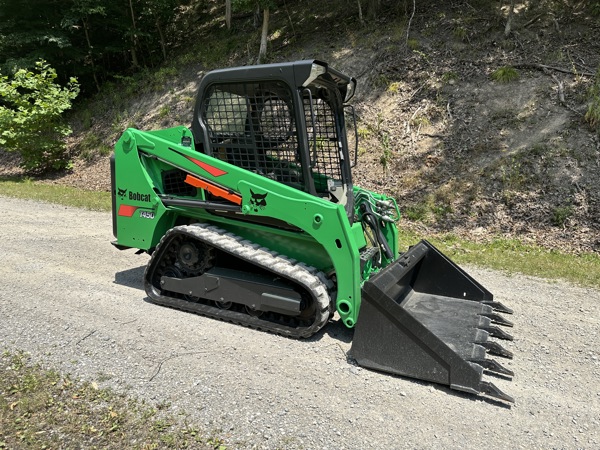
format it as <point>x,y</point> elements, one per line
<point>426,318</point>
<point>497,319</point>
<point>497,306</point>
<point>496,349</point>
<point>491,390</point>
<point>497,332</point>
<point>493,366</point>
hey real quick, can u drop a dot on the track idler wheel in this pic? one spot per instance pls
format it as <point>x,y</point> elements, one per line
<point>195,257</point>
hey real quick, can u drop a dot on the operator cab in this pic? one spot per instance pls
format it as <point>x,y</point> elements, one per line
<point>282,121</point>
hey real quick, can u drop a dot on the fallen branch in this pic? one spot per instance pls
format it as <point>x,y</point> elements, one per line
<point>544,67</point>
<point>532,21</point>
<point>171,357</point>
<point>130,321</point>
<point>415,92</point>
<point>85,337</point>
<point>561,96</point>
<point>408,130</point>
<point>570,108</point>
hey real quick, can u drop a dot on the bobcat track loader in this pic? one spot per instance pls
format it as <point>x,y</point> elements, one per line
<point>251,217</point>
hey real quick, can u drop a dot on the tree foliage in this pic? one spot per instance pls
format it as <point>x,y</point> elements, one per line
<point>99,40</point>
<point>91,39</point>
<point>31,122</point>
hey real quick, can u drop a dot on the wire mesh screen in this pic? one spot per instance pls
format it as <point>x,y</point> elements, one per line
<point>174,183</point>
<point>251,125</point>
<point>322,137</point>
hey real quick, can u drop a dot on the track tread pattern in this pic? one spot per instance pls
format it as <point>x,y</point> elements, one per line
<point>311,279</point>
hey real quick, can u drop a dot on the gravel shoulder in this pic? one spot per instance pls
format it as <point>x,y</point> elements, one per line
<point>77,305</point>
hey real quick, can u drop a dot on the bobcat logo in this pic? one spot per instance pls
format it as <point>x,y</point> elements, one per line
<point>122,193</point>
<point>258,200</point>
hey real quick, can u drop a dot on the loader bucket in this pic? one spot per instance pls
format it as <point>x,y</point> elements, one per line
<point>424,317</point>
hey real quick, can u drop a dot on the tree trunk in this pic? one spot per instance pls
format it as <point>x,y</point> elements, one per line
<point>262,53</point>
<point>256,19</point>
<point>134,59</point>
<point>373,8</point>
<point>228,13</point>
<point>163,46</point>
<point>410,21</point>
<point>511,12</point>
<point>360,14</point>
<point>91,56</point>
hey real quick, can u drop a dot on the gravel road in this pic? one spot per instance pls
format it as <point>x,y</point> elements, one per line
<point>77,304</point>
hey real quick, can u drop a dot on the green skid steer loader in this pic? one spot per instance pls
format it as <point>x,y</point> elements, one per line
<point>250,216</point>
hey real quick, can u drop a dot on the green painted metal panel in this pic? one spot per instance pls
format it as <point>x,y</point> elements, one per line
<point>327,240</point>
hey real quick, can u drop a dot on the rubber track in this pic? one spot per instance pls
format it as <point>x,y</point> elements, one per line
<point>309,278</point>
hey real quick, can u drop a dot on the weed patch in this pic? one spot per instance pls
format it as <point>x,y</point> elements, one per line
<point>560,214</point>
<point>41,408</point>
<point>505,74</point>
<point>164,111</point>
<point>386,155</point>
<point>449,77</point>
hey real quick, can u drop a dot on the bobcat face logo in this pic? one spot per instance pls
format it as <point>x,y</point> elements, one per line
<point>258,201</point>
<point>121,193</point>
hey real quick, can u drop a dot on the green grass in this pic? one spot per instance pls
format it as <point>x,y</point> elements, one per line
<point>505,74</point>
<point>41,408</point>
<point>62,195</point>
<point>513,256</point>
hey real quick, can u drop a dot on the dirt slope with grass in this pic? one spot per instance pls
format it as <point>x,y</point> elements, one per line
<point>474,132</point>
<point>77,305</point>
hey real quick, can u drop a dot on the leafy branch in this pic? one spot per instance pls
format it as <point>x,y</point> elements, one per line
<point>31,122</point>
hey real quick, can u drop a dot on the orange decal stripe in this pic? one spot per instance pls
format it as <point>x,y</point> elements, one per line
<point>214,171</point>
<point>214,190</point>
<point>127,210</point>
